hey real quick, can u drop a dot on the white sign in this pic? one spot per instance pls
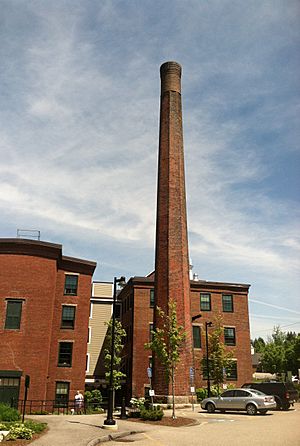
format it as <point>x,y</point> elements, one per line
<point>151,392</point>
<point>192,389</point>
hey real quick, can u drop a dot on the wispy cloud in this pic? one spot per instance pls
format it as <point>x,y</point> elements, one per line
<point>79,132</point>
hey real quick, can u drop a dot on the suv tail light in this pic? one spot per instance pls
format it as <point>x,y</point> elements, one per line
<point>287,395</point>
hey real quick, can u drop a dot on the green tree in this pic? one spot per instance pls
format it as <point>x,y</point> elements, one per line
<point>220,359</point>
<point>258,344</point>
<point>281,352</point>
<point>273,358</point>
<point>167,343</point>
<point>120,334</point>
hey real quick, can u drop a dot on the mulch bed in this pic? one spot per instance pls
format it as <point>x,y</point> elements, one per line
<point>168,421</point>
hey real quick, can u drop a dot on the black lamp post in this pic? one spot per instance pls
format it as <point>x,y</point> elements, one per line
<point>207,324</point>
<point>110,422</point>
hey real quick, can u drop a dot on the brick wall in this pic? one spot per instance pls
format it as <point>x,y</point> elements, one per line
<point>34,272</point>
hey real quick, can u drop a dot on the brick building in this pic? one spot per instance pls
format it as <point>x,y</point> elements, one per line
<point>44,314</point>
<point>230,300</point>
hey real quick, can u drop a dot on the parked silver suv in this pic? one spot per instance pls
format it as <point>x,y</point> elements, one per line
<point>250,400</point>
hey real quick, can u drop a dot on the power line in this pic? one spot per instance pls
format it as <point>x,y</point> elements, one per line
<point>281,326</point>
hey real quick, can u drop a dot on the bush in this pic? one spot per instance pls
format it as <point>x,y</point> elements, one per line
<point>35,426</point>
<point>19,430</point>
<point>8,413</point>
<point>201,393</point>
<point>152,414</point>
<point>138,403</point>
<point>93,399</point>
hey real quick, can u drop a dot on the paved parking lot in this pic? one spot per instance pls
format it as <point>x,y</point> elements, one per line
<point>229,429</point>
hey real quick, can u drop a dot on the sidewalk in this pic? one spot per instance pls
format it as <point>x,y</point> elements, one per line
<point>276,428</point>
<point>85,430</point>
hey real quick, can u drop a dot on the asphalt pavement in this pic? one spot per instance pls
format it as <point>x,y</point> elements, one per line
<point>278,428</point>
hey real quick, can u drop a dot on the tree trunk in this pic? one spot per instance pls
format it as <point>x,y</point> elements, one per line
<point>173,393</point>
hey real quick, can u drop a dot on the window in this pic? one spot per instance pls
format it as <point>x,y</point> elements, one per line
<point>227,301</point>
<point>89,335</point>
<point>71,283</point>
<point>205,302</point>
<point>229,336</point>
<point>13,314</point>
<point>65,354</point>
<point>151,298</point>
<point>68,316</point>
<point>241,394</point>
<point>91,310</point>
<point>231,371</point>
<point>197,336</point>
<point>150,363</point>
<point>62,394</point>
<point>204,366</point>
<point>87,362</point>
<point>228,394</point>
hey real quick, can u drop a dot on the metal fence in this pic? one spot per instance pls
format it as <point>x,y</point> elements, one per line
<point>44,407</point>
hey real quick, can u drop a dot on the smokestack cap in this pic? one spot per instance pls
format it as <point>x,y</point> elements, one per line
<point>170,74</point>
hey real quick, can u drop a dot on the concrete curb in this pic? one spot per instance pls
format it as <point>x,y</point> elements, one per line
<point>112,437</point>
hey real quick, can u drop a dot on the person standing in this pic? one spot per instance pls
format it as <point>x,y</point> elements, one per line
<point>79,402</point>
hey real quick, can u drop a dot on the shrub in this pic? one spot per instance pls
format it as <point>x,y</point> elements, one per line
<point>8,413</point>
<point>152,414</point>
<point>35,426</point>
<point>93,399</point>
<point>201,393</point>
<point>137,403</point>
<point>19,430</point>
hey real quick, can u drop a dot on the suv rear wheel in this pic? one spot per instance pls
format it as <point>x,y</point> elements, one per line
<point>286,406</point>
<point>251,409</point>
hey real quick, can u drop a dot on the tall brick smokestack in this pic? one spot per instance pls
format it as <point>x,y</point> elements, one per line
<point>171,254</point>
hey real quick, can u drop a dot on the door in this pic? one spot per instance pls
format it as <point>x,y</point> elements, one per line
<point>9,390</point>
<point>225,400</point>
<point>240,399</point>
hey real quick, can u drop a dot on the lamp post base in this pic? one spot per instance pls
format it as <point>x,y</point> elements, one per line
<point>111,427</point>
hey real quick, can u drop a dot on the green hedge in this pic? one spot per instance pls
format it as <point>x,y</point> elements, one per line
<point>8,413</point>
<point>152,414</point>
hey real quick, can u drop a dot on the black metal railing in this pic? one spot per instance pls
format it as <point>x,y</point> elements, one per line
<point>44,407</point>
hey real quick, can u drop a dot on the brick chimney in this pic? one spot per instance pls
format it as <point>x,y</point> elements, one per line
<point>171,254</point>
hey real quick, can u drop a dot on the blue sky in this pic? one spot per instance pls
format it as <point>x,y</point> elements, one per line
<point>79,136</point>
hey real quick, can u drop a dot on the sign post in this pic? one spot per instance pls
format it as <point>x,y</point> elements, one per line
<point>192,376</point>
<point>151,392</point>
<point>27,384</point>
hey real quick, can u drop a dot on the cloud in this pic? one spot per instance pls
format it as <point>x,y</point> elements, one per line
<point>79,132</point>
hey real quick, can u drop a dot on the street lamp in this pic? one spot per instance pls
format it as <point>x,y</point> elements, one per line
<point>207,324</point>
<point>110,423</point>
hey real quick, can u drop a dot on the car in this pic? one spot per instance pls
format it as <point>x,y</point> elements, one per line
<point>285,393</point>
<point>250,400</point>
